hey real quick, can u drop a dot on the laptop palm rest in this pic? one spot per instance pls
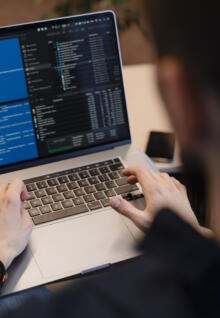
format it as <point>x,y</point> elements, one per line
<point>91,240</point>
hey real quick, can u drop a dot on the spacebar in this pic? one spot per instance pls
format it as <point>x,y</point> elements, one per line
<point>60,214</point>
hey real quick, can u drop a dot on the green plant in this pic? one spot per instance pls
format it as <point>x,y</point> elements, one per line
<point>125,14</point>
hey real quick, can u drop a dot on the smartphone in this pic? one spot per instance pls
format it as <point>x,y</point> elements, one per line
<point>161,146</point>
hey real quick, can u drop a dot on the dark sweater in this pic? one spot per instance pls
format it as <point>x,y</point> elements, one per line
<point>178,276</point>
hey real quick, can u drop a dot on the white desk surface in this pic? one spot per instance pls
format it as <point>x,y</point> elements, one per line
<point>145,107</point>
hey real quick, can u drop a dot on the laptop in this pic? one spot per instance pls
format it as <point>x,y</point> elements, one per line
<point>64,130</point>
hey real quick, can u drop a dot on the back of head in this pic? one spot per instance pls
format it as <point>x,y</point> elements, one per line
<point>189,31</point>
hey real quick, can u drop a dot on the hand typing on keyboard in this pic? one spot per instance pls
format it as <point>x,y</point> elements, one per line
<point>80,190</point>
<point>160,191</point>
<point>15,223</point>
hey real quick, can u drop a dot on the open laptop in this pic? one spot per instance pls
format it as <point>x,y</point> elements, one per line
<point>64,130</point>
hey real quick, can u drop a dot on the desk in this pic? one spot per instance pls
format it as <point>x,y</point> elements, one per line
<point>145,108</point>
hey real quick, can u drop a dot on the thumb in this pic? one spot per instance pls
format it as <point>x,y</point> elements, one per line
<point>26,220</point>
<point>140,218</point>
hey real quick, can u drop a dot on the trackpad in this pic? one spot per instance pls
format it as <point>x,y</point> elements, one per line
<point>74,245</point>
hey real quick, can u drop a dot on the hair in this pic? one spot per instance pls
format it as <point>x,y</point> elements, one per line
<point>189,31</point>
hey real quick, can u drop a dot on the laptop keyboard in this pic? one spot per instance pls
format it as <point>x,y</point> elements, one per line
<point>76,191</point>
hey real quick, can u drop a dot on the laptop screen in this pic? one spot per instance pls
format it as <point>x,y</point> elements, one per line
<point>61,88</point>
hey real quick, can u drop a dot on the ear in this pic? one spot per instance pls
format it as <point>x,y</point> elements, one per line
<point>181,99</point>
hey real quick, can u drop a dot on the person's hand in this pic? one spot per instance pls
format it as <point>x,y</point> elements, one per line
<point>15,222</point>
<point>160,191</point>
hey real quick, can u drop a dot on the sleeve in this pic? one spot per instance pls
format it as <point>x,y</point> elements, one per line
<point>176,242</point>
<point>171,279</point>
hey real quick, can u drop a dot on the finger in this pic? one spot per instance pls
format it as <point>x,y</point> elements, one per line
<point>143,176</point>
<point>13,195</point>
<point>165,179</point>
<point>26,218</point>
<point>179,186</point>
<point>132,180</point>
<point>18,189</point>
<point>3,188</point>
<point>24,194</point>
<point>140,218</point>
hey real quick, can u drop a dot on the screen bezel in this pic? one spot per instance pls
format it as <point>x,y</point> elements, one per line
<point>70,154</point>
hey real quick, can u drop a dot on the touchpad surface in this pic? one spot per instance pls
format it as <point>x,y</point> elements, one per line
<point>74,245</point>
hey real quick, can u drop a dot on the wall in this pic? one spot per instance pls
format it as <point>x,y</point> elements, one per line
<point>135,47</point>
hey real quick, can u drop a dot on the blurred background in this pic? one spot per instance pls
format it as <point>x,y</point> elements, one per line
<point>135,42</point>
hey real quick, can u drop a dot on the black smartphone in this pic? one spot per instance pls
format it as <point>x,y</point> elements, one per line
<point>161,146</point>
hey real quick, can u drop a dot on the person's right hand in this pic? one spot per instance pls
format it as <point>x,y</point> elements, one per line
<point>160,191</point>
<point>15,222</point>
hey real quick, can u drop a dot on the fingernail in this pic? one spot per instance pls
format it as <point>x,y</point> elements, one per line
<point>116,203</point>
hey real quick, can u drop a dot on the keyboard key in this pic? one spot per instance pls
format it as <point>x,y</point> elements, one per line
<point>104,170</point>
<point>62,188</point>
<point>90,189</point>
<point>94,205</point>
<point>67,204</point>
<point>63,179</point>
<point>34,212</point>
<point>60,214</point>
<point>99,195</point>
<point>116,166</point>
<point>117,160</point>
<point>57,197</point>
<point>51,191</point>
<point>26,205</point>
<point>137,196</point>
<point>110,184</point>
<point>83,183</point>
<point>105,202</point>
<point>127,196</point>
<point>84,174</point>
<point>52,182</point>
<point>89,198</point>
<point>40,193</point>
<point>45,209</point>
<point>78,201</point>
<point>100,187</point>
<point>73,185</point>
<point>103,178</point>
<point>94,172</point>
<point>31,187</point>
<point>31,196</point>
<point>73,177</point>
<point>56,206</point>
<point>107,162</point>
<point>126,188</point>
<point>93,180</point>
<point>68,195</point>
<point>47,200</point>
<point>41,185</point>
<point>113,175</point>
<point>121,181</point>
<point>79,192</point>
<point>121,173</point>
<point>35,203</point>
<point>110,193</point>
